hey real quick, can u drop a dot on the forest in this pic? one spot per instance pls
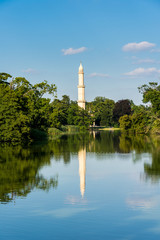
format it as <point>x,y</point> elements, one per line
<point>30,112</point>
<point>144,119</point>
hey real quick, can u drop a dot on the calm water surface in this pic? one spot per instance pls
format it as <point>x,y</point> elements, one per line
<point>95,186</point>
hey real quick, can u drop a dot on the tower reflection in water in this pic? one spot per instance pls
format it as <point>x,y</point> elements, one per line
<point>82,169</point>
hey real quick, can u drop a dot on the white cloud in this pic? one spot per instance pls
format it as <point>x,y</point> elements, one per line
<point>147,60</point>
<point>141,46</point>
<point>103,75</point>
<point>134,57</point>
<point>71,51</point>
<point>29,70</point>
<point>155,50</point>
<point>143,72</point>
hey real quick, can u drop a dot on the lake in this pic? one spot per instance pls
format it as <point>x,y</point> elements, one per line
<point>99,185</point>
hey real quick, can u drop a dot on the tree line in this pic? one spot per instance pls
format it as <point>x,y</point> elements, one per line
<point>144,119</point>
<point>26,113</point>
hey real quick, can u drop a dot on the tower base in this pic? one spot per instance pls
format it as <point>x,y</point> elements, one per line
<point>82,104</point>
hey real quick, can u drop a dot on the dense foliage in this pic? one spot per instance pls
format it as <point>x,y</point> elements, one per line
<point>101,109</point>
<point>66,112</point>
<point>144,119</point>
<point>121,108</point>
<point>26,113</point>
<point>23,108</point>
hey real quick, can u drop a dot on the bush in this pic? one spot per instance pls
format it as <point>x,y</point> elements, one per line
<point>54,131</point>
<point>156,126</point>
<point>125,122</point>
<point>70,128</point>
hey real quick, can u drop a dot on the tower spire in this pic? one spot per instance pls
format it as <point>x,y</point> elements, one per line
<point>81,88</point>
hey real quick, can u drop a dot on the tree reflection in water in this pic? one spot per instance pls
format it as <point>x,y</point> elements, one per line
<point>144,144</point>
<point>19,166</point>
<point>19,171</point>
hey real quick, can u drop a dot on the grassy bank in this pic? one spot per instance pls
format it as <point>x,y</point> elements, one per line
<point>54,133</point>
<point>110,129</point>
<point>105,128</point>
<point>69,129</point>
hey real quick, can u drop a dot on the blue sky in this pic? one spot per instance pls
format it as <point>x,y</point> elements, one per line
<point>118,42</point>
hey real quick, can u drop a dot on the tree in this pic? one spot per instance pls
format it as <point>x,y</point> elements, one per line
<point>73,112</point>
<point>14,123</point>
<point>23,108</point>
<point>83,119</point>
<point>142,120</point>
<point>125,122</point>
<point>4,77</point>
<point>101,109</point>
<point>122,107</point>
<point>151,94</point>
<point>107,113</point>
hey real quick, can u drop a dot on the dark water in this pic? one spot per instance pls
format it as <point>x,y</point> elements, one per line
<point>95,186</point>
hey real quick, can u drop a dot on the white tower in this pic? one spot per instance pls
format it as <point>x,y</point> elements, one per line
<point>81,88</point>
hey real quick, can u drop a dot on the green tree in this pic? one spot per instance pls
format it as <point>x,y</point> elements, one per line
<point>142,120</point>
<point>101,109</point>
<point>73,112</point>
<point>23,108</point>
<point>139,122</point>
<point>57,116</point>
<point>151,94</point>
<point>125,122</point>
<point>83,119</point>
<point>107,113</point>
<point>4,77</point>
<point>14,123</point>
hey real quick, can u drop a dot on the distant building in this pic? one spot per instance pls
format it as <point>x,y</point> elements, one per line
<point>81,88</point>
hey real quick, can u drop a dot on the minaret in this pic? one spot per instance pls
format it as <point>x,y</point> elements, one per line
<point>81,88</point>
<point>82,169</point>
